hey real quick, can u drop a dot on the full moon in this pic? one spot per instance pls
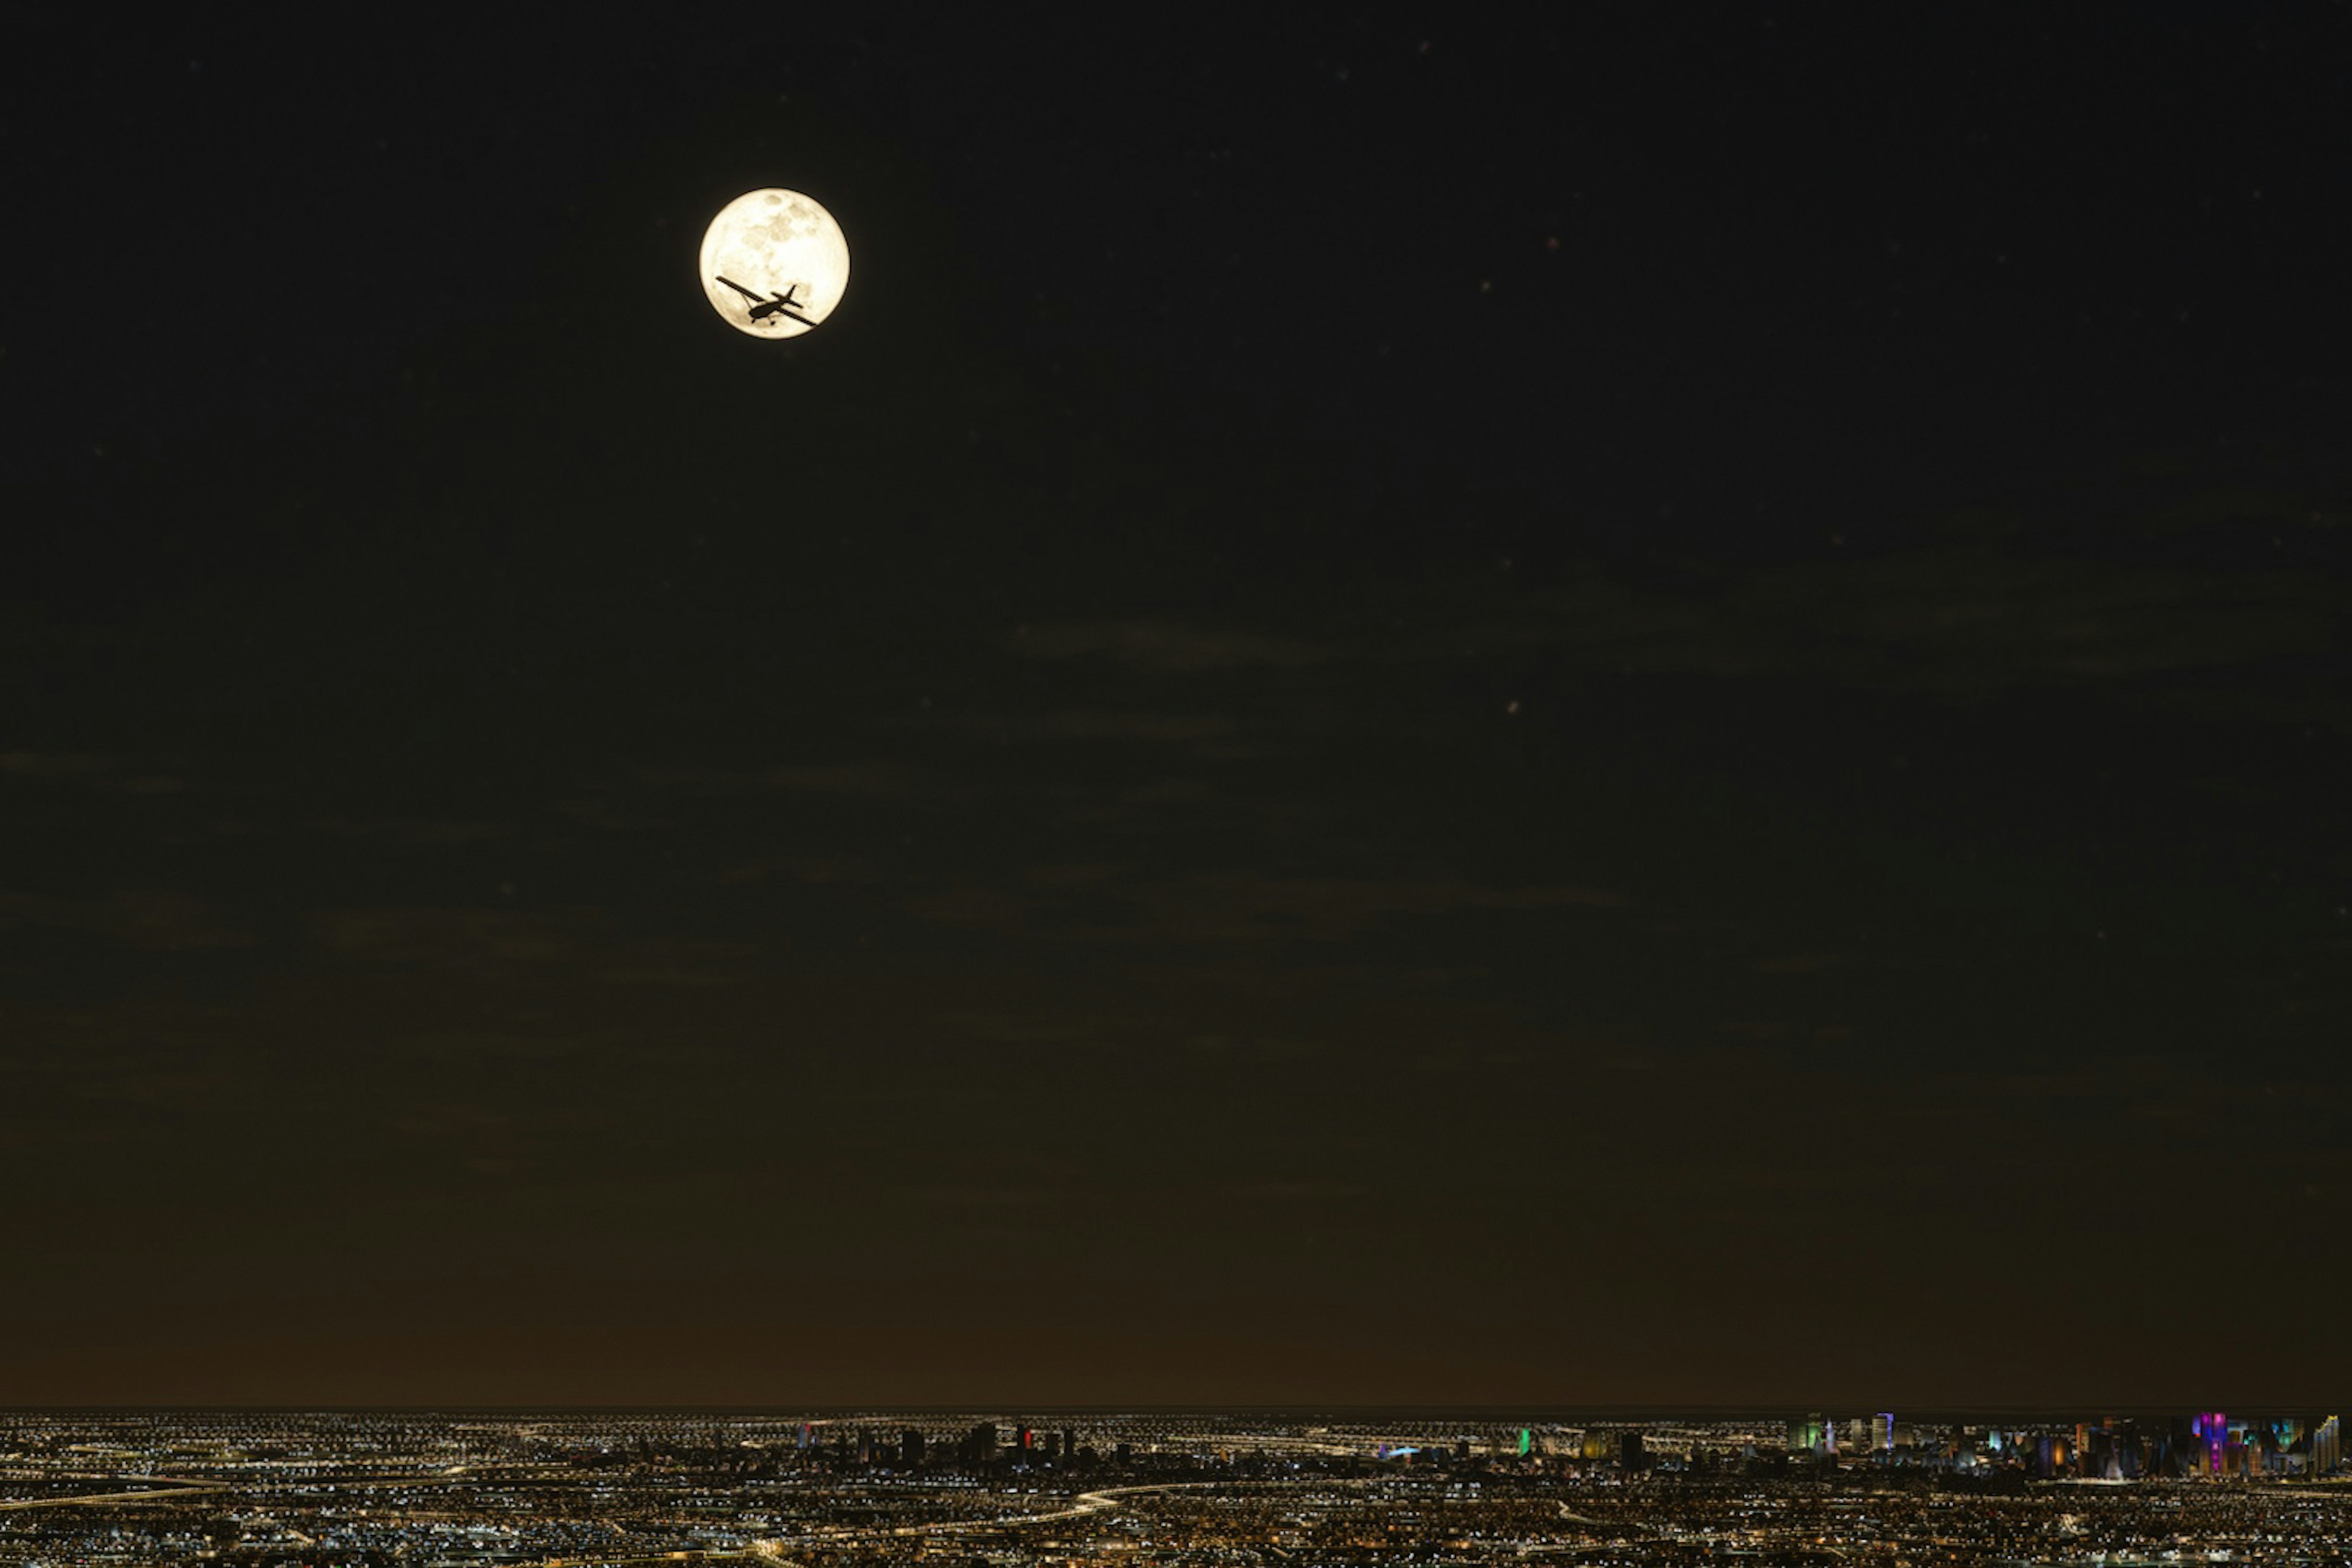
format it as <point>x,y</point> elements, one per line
<point>774,264</point>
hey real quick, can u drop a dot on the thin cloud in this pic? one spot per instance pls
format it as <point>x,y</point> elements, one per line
<point>151,920</point>
<point>420,831</point>
<point>1801,964</point>
<point>870,777</point>
<point>1178,647</point>
<point>1231,907</point>
<point>455,937</point>
<point>1245,906</point>
<point>53,764</point>
<point>1963,620</point>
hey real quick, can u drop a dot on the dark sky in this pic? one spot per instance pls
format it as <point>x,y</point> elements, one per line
<point>1650,708</point>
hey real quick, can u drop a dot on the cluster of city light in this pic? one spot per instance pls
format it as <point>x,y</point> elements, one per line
<point>1139,1490</point>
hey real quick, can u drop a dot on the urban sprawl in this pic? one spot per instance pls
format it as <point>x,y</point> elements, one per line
<point>976,1490</point>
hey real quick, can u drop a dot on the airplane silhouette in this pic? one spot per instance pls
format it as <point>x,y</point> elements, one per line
<point>774,305</point>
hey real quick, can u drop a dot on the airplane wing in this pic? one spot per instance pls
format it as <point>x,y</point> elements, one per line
<point>784,309</point>
<point>741,290</point>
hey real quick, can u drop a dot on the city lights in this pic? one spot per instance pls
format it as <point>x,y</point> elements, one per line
<point>1043,1489</point>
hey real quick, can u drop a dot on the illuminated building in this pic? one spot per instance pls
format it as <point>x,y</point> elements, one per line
<point>2212,1428</point>
<point>2327,1448</point>
<point>2099,1454</point>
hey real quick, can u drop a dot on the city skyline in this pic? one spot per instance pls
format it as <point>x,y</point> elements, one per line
<point>553,1488</point>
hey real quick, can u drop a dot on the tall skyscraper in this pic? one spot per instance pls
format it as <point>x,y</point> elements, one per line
<point>979,1444</point>
<point>2212,1429</point>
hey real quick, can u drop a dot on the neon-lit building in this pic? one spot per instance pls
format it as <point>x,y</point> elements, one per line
<point>2212,1429</point>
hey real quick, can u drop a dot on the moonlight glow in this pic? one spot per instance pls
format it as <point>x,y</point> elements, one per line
<point>774,263</point>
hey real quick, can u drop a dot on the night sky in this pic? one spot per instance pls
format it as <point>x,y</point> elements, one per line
<point>1646,710</point>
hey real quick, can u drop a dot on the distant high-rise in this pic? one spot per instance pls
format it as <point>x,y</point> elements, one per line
<point>1886,1444</point>
<point>2212,1428</point>
<point>2327,1448</point>
<point>2098,1455</point>
<point>979,1444</point>
<point>910,1448</point>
